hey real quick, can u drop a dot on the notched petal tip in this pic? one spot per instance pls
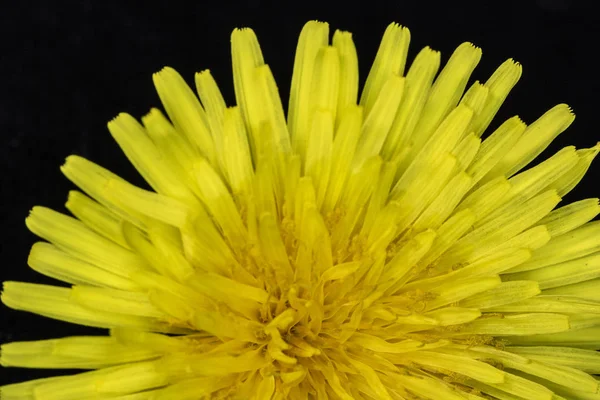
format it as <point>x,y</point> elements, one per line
<point>316,22</point>
<point>203,73</point>
<point>68,164</point>
<point>122,117</point>
<point>394,26</point>
<point>340,33</point>
<point>562,114</point>
<point>164,72</point>
<point>470,47</point>
<point>570,109</point>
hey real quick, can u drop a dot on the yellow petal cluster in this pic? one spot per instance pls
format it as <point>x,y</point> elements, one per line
<point>382,247</point>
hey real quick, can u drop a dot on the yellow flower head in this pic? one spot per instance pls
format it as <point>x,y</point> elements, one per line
<point>374,248</point>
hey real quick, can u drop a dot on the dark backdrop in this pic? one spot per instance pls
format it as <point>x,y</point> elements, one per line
<point>67,67</point>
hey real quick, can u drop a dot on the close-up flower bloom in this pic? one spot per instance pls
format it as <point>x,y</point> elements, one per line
<point>382,246</point>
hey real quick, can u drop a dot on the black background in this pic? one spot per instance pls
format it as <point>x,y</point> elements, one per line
<point>68,67</point>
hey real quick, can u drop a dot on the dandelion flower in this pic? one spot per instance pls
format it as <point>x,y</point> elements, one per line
<point>387,246</point>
